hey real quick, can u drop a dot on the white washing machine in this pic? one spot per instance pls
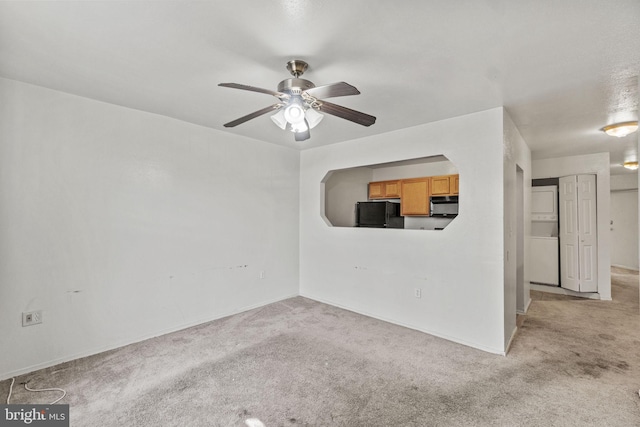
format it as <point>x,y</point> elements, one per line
<point>544,260</point>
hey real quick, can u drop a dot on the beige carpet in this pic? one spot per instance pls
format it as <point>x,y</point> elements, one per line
<point>574,362</point>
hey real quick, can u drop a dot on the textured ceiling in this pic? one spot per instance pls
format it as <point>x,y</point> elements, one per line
<point>563,69</point>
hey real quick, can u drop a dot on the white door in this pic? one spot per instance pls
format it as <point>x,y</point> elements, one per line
<point>578,233</point>
<point>588,243</point>
<point>569,239</point>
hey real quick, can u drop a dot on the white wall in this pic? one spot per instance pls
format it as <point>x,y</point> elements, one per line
<point>588,164</point>
<point>121,225</point>
<point>516,155</point>
<point>375,271</point>
<point>343,189</point>
<point>624,182</point>
<point>624,218</point>
<point>429,168</point>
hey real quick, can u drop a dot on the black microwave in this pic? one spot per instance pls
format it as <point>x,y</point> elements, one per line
<point>443,206</point>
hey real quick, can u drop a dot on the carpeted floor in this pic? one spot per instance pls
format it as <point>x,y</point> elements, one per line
<point>574,362</point>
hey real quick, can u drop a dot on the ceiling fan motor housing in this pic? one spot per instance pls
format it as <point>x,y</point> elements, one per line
<point>294,86</point>
<point>297,67</point>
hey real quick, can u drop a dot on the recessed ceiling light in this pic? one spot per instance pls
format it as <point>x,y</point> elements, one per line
<point>621,129</point>
<point>631,165</point>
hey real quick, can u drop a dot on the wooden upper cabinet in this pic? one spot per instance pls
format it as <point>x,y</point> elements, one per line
<point>440,185</point>
<point>376,190</point>
<point>415,196</point>
<point>414,193</point>
<point>445,185</point>
<point>392,189</point>
<point>384,190</point>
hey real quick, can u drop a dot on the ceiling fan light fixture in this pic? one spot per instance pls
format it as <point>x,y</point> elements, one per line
<point>300,103</point>
<point>313,117</point>
<point>279,120</point>
<point>294,112</point>
<point>631,165</point>
<point>621,129</point>
<point>299,127</point>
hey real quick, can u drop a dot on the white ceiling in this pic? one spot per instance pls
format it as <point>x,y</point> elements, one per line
<point>562,68</point>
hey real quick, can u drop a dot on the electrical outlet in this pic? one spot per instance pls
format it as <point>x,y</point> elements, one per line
<point>31,317</point>
<point>417,292</point>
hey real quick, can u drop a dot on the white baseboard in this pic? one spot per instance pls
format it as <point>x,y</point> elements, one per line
<point>406,325</point>
<point>91,352</point>
<point>526,309</point>
<point>625,267</point>
<point>563,291</point>
<point>513,335</point>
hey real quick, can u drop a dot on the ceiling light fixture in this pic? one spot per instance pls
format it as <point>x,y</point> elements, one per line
<point>301,103</point>
<point>621,129</point>
<point>296,117</point>
<point>631,165</point>
<point>294,112</point>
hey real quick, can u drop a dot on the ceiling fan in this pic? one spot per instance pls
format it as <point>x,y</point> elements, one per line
<point>299,106</point>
